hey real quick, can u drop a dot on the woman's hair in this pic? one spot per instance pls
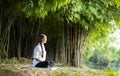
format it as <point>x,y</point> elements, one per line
<point>41,36</point>
<point>40,40</point>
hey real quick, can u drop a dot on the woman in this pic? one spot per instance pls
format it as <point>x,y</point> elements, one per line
<point>40,54</point>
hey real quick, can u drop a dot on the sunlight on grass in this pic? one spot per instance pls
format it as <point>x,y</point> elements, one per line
<point>112,73</point>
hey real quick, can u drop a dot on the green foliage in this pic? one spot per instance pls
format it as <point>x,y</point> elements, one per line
<point>40,8</point>
<point>85,13</point>
<point>90,13</point>
<point>117,2</point>
<point>98,36</point>
<point>101,49</point>
<point>10,61</point>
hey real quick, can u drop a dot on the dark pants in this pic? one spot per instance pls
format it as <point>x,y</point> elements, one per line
<point>45,64</point>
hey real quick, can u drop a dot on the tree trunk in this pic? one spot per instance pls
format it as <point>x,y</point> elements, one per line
<point>1,13</point>
<point>0,27</point>
<point>75,40</point>
<point>19,47</point>
<point>81,36</point>
<point>66,56</point>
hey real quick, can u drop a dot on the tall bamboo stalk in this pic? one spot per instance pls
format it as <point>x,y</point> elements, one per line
<point>19,47</point>
<point>75,40</point>
<point>1,13</point>
<point>5,39</point>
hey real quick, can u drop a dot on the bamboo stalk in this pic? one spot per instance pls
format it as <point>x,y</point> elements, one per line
<point>1,13</point>
<point>5,39</point>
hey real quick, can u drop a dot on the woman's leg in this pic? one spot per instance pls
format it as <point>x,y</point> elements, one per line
<point>51,64</point>
<point>43,64</point>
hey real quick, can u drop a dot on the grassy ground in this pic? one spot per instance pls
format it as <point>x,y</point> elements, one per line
<point>21,69</point>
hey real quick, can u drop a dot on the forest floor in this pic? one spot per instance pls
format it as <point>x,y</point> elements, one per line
<point>22,69</point>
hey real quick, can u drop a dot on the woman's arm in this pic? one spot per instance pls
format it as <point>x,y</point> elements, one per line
<point>36,59</point>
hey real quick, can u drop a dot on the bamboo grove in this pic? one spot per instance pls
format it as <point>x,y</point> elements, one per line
<point>67,23</point>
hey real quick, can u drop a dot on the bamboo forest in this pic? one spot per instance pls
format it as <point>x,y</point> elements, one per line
<point>83,37</point>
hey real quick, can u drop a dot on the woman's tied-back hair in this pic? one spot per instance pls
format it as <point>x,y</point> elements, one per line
<point>40,40</point>
<point>41,36</point>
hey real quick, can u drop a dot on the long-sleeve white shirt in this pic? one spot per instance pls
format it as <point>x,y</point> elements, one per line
<point>38,54</point>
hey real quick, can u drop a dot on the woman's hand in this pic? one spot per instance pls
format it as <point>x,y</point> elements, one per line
<point>37,59</point>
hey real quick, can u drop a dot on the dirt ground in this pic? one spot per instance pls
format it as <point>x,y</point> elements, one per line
<point>24,70</point>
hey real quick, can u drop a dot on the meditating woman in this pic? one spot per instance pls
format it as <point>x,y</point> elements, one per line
<point>40,54</point>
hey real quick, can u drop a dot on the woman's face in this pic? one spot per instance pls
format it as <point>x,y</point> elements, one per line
<point>44,40</point>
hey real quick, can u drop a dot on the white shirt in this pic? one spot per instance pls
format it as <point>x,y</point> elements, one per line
<point>38,54</point>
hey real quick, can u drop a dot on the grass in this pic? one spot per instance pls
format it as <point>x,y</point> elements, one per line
<point>21,70</point>
<point>11,67</point>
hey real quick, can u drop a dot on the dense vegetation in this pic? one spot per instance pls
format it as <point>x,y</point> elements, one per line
<point>104,53</point>
<point>69,24</point>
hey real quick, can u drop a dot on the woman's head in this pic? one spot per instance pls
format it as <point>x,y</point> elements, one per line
<point>43,38</point>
